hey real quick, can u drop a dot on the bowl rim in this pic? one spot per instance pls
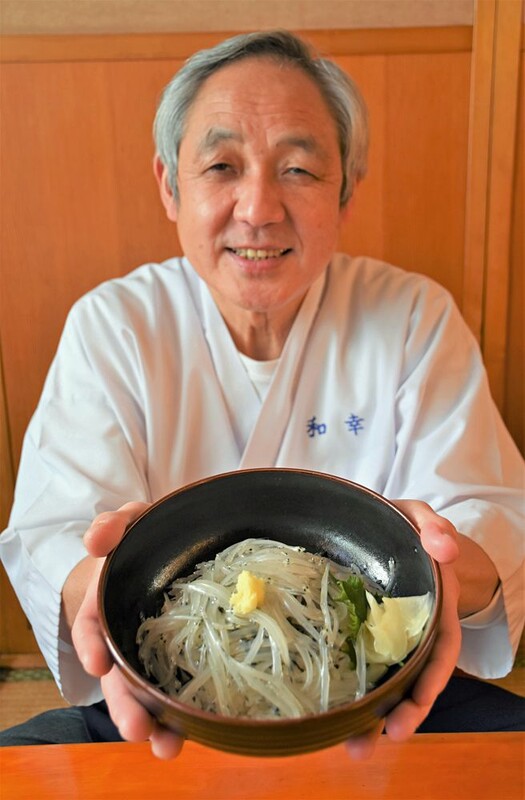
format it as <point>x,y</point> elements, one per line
<point>184,710</point>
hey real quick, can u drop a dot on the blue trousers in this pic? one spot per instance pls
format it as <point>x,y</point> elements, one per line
<point>466,705</point>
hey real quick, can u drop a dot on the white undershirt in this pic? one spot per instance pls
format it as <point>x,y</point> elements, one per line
<point>260,373</point>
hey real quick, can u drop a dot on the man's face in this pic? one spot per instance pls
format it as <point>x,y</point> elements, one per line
<point>259,181</point>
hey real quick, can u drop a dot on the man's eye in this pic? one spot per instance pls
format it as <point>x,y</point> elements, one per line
<point>221,166</point>
<point>298,171</point>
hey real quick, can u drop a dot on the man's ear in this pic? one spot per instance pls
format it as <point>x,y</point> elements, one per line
<point>166,193</point>
<point>345,210</point>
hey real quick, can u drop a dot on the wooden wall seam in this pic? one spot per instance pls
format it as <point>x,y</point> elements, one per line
<point>481,85</point>
<point>7,471</point>
<point>507,46</point>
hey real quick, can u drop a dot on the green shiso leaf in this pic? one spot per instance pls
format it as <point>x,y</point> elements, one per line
<point>353,596</point>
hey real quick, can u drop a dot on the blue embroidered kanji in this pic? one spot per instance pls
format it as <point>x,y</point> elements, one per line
<point>354,423</point>
<point>313,427</point>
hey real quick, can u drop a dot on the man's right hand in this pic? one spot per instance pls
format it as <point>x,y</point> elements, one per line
<point>133,721</point>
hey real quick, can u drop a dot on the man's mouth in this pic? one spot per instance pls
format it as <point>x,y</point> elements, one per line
<point>258,254</point>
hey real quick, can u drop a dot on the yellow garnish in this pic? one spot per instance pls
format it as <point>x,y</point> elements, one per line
<point>249,593</point>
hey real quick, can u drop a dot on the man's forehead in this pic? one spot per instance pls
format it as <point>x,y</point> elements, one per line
<point>260,85</point>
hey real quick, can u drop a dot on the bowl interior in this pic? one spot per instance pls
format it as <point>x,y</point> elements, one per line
<point>325,515</point>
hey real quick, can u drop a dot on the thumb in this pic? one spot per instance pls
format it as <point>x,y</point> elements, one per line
<point>439,542</point>
<point>108,528</point>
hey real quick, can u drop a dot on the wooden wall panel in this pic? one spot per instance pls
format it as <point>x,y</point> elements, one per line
<point>82,203</point>
<point>59,233</point>
<point>410,210</point>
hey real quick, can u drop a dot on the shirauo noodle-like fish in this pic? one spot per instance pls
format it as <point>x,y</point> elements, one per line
<point>313,638</point>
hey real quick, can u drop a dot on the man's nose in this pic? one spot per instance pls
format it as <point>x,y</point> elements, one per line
<point>258,200</point>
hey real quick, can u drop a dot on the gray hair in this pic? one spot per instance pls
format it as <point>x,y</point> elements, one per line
<point>341,94</point>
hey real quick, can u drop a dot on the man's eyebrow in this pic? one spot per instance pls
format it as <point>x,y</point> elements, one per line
<point>307,143</point>
<point>215,136</point>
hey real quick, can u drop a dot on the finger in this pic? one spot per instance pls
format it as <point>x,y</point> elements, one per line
<point>438,535</point>
<point>133,721</point>
<point>439,543</point>
<point>445,652</point>
<point>405,719</point>
<point>164,743</point>
<point>86,633</point>
<point>420,513</point>
<point>107,529</point>
<point>361,747</point>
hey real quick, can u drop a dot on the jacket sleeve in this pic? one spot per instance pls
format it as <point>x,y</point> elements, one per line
<point>83,453</point>
<point>454,452</point>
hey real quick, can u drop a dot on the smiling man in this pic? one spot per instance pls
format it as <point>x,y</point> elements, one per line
<point>263,347</point>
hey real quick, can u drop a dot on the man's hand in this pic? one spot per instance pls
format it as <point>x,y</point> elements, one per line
<point>131,718</point>
<point>440,539</point>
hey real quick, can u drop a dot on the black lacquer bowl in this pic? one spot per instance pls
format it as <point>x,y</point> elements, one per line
<point>322,513</point>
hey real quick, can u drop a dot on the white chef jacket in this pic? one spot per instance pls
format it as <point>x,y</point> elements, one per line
<point>380,382</point>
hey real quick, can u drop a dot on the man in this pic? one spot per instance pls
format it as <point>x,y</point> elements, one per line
<point>262,347</point>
